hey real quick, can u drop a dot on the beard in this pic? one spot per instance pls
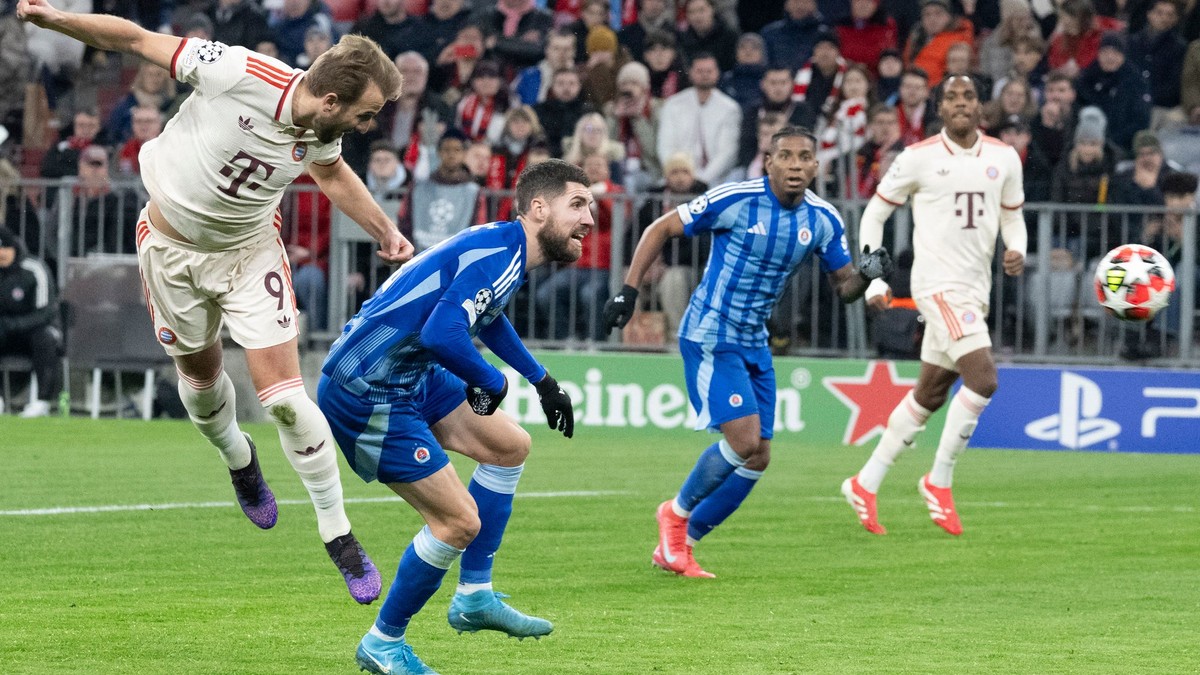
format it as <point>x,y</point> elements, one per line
<point>556,245</point>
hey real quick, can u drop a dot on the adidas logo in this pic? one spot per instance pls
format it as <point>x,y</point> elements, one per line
<point>758,228</point>
<point>943,172</point>
<point>244,123</point>
<point>284,322</point>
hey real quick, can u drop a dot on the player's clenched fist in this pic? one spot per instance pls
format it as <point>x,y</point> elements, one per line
<point>1014,263</point>
<point>394,248</point>
<point>37,12</point>
<point>619,308</point>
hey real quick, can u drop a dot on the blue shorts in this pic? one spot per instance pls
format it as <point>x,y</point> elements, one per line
<point>392,442</point>
<point>727,382</point>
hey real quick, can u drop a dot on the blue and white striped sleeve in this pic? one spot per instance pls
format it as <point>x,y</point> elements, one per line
<point>702,213</point>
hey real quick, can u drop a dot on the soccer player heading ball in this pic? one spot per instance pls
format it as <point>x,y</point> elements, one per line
<point>404,383</point>
<point>965,188</point>
<point>208,240</point>
<point>762,230</point>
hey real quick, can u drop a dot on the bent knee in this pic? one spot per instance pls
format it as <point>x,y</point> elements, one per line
<point>758,461</point>
<point>459,530</point>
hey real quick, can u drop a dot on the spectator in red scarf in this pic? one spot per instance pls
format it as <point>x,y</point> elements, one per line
<point>818,82</point>
<point>866,33</point>
<point>63,159</point>
<point>666,71</point>
<point>510,154</point>
<point>480,114</point>
<point>914,109</point>
<point>147,125</point>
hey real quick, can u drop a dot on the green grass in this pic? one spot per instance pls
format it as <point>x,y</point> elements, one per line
<point>1071,562</point>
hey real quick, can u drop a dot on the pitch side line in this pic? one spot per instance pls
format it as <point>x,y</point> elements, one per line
<point>115,508</point>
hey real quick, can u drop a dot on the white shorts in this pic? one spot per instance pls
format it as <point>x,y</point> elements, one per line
<point>191,294</point>
<point>955,325</point>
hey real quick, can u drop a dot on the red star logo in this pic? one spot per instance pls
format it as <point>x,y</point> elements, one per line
<point>871,399</point>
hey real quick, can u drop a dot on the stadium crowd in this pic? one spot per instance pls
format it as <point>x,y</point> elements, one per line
<point>1101,98</point>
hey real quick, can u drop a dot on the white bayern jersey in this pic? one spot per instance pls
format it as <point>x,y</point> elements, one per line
<point>220,166</point>
<point>957,194</point>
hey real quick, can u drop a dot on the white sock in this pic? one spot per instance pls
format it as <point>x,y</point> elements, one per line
<point>906,421</point>
<point>384,636</point>
<point>212,407</point>
<point>309,446</point>
<point>467,589</point>
<point>961,418</point>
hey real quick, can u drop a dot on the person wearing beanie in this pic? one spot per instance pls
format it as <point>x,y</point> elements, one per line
<point>28,319</point>
<point>518,28</point>
<point>1118,89</point>
<point>1141,183</point>
<point>1083,177</point>
<point>633,122</point>
<point>604,60</point>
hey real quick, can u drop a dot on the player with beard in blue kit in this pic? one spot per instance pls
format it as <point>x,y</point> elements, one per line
<point>404,383</point>
<point>762,230</point>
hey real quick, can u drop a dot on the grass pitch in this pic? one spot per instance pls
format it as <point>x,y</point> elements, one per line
<point>1071,562</point>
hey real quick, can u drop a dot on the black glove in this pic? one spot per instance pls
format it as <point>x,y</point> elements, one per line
<point>557,405</point>
<point>619,308</point>
<point>875,264</point>
<point>484,402</point>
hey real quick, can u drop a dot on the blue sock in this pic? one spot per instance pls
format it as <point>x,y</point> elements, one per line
<point>493,488</point>
<point>422,567</point>
<point>722,502</point>
<point>714,466</point>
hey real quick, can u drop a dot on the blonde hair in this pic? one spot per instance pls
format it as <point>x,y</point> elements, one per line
<point>575,151</point>
<point>349,67</point>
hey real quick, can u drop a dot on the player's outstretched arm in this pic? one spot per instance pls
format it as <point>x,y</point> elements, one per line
<point>619,309</point>
<point>102,31</point>
<point>347,192</point>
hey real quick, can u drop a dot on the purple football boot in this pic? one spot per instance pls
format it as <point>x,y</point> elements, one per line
<point>357,569</point>
<point>253,495</point>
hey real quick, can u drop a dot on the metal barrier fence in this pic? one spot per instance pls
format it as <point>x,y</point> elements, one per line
<point>1050,314</point>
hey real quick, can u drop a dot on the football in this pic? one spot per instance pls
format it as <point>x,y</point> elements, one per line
<point>1134,282</point>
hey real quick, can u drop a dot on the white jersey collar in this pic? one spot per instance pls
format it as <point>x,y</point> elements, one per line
<point>956,149</point>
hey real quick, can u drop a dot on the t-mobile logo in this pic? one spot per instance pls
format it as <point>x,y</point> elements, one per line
<point>1078,423</point>
<point>972,210</point>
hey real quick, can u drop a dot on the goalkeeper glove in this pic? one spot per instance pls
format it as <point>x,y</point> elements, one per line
<point>875,264</point>
<point>484,402</point>
<point>619,308</point>
<point>557,405</point>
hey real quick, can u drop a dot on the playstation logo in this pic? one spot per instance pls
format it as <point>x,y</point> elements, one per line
<point>244,123</point>
<point>1078,423</point>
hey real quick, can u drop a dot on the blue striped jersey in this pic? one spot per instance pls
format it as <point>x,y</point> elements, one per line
<point>380,351</point>
<point>757,243</point>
